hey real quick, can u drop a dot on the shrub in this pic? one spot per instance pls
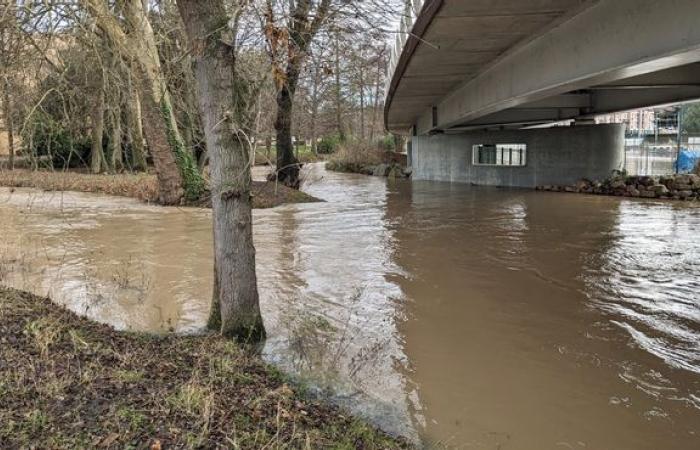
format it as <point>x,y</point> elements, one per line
<point>387,143</point>
<point>51,139</point>
<point>328,144</point>
<point>355,156</point>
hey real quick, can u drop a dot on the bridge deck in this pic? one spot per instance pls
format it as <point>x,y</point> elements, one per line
<point>473,63</point>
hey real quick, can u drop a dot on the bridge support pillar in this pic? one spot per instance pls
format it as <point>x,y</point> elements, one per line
<point>556,156</point>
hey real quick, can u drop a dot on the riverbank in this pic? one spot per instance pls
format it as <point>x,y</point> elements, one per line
<point>369,161</point>
<point>672,187</point>
<point>142,186</point>
<point>68,382</point>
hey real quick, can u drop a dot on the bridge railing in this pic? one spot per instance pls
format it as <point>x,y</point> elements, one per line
<point>412,9</point>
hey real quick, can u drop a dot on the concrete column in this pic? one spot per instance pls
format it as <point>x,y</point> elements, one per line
<point>557,156</point>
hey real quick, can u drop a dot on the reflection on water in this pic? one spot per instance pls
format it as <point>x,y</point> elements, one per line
<point>477,318</point>
<point>648,279</point>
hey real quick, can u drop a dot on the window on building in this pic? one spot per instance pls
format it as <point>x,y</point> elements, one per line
<point>511,155</point>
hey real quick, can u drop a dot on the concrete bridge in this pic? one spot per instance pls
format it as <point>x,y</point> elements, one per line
<point>487,65</point>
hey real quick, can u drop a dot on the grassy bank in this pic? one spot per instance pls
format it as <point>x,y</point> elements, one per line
<point>140,185</point>
<point>67,382</point>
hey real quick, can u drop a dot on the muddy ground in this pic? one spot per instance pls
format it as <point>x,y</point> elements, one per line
<point>139,185</point>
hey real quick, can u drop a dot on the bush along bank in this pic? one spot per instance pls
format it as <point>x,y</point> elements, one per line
<point>672,187</point>
<point>358,157</point>
<point>390,170</point>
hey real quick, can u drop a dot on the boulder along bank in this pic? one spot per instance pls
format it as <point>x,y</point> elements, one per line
<point>672,187</point>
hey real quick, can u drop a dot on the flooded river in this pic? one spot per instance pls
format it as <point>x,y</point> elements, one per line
<point>459,316</point>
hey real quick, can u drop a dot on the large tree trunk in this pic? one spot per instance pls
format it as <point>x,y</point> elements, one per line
<point>177,171</point>
<point>303,25</point>
<point>287,164</point>
<point>97,157</point>
<point>225,108</point>
<point>170,184</point>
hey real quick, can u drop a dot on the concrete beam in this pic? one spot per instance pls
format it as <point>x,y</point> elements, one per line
<point>582,100</point>
<point>613,100</point>
<point>522,117</point>
<point>610,41</point>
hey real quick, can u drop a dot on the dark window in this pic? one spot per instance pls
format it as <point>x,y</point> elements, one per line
<point>511,155</point>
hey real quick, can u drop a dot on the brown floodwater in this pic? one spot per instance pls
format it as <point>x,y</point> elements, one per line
<point>462,317</point>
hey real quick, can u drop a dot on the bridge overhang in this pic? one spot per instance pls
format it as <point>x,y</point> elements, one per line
<point>510,63</point>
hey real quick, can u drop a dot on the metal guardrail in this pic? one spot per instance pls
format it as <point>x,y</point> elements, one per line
<point>410,13</point>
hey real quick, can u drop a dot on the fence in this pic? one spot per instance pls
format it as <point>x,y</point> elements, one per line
<point>653,159</point>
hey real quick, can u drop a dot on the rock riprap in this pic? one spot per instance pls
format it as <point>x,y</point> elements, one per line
<point>675,187</point>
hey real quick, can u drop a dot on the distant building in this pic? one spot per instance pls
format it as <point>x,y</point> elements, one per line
<point>646,122</point>
<point>641,121</point>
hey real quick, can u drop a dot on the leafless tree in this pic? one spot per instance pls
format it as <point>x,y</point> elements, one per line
<point>134,37</point>
<point>225,100</point>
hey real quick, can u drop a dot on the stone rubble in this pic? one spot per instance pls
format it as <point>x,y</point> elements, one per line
<point>672,187</point>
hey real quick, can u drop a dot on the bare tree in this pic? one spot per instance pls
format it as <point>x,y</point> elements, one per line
<point>225,100</point>
<point>97,156</point>
<point>135,127</point>
<point>288,46</point>
<point>178,175</point>
<point>8,54</point>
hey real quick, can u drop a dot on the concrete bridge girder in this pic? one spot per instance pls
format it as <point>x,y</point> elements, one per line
<point>581,58</point>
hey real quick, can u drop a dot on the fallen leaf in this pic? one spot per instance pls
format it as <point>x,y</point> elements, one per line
<point>109,440</point>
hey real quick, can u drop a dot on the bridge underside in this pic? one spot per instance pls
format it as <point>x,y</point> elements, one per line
<point>478,64</point>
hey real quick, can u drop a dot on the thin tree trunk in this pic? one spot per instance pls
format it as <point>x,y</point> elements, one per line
<point>268,146</point>
<point>97,157</point>
<point>362,104</point>
<point>314,108</point>
<point>225,108</point>
<point>377,92</point>
<point>9,123</point>
<point>135,133</point>
<point>116,163</point>
<point>338,91</point>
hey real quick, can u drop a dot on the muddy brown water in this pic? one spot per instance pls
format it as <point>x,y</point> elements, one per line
<point>462,317</point>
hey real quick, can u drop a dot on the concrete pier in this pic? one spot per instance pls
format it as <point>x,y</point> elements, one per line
<point>556,156</point>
